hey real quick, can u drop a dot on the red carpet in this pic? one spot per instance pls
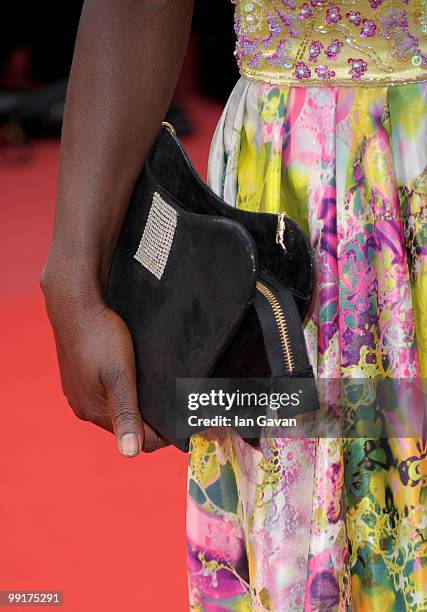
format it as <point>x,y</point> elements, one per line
<point>74,515</point>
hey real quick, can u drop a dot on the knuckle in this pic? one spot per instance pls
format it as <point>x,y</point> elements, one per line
<point>123,417</point>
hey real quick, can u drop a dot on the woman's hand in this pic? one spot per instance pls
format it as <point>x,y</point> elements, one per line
<point>97,366</point>
<point>126,64</point>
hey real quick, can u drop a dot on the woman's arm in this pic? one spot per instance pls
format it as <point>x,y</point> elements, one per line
<point>127,59</point>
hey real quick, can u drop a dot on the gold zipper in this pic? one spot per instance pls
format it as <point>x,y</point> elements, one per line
<point>282,325</point>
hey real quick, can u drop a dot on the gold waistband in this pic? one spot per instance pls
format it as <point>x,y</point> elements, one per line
<point>325,42</point>
<point>276,78</point>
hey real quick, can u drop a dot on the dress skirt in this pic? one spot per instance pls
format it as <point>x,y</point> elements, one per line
<point>327,523</point>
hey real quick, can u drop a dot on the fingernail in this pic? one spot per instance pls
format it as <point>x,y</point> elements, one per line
<point>129,444</point>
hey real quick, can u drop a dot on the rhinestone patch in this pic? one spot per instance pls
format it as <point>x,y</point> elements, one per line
<point>157,239</point>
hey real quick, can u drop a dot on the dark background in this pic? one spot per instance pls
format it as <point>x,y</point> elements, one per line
<point>36,48</point>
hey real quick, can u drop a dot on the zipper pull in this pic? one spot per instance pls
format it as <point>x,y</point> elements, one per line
<point>280,231</point>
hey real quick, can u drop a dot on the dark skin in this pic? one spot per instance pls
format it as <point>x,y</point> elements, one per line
<point>126,64</point>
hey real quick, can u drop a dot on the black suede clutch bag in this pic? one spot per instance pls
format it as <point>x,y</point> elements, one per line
<point>206,289</point>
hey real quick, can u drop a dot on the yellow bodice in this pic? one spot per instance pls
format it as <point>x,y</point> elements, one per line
<point>327,42</point>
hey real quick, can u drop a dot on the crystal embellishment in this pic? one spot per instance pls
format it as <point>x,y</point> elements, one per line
<point>332,41</point>
<point>157,239</point>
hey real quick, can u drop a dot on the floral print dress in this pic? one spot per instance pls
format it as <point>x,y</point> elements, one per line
<point>327,123</point>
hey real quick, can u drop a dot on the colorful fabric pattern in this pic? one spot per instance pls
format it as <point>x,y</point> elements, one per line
<point>326,524</point>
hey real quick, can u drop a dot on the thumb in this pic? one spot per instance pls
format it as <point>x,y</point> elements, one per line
<point>125,415</point>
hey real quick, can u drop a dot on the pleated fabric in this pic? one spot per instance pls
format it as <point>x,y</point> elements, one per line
<point>325,524</point>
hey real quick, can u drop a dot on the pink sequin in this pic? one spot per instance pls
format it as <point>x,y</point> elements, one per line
<point>333,49</point>
<point>305,11</point>
<point>333,15</point>
<point>324,72</point>
<point>368,28</point>
<point>302,71</point>
<point>354,18</point>
<point>314,50</point>
<point>357,69</point>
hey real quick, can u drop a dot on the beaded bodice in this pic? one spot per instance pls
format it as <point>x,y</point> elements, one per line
<point>358,42</point>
